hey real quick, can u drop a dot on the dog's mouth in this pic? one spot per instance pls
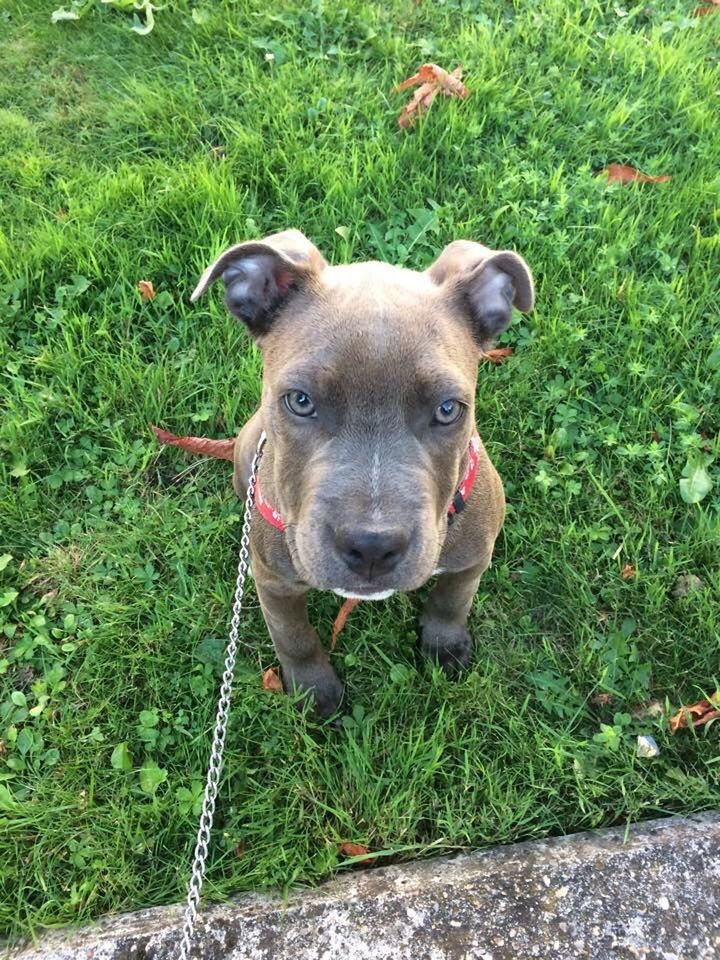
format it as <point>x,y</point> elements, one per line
<point>363,595</point>
<point>356,588</point>
<point>333,576</point>
<point>367,567</point>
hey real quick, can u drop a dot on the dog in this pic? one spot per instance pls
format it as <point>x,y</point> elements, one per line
<point>374,478</point>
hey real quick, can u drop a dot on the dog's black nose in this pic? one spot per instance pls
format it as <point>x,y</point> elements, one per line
<point>371,553</point>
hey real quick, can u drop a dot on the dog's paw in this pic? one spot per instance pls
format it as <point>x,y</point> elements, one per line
<point>447,645</point>
<point>319,683</point>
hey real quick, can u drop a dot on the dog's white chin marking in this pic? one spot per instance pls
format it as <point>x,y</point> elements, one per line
<point>382,595</point>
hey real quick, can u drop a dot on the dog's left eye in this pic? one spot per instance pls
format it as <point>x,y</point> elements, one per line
<point>448,412</point>
<point>300,403</point>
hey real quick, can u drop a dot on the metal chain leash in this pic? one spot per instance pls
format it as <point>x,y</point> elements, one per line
<point>212,783</point>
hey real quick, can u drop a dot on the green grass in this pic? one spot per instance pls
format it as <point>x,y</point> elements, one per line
<point>123,555</point>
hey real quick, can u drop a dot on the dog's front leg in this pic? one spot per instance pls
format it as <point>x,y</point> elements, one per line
<point>304,662</point>
<point>444,636</point>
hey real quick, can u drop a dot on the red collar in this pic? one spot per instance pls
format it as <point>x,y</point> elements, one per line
<point>457,503</point>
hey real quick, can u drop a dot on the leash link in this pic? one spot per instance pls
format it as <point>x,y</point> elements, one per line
<point>212,783</point>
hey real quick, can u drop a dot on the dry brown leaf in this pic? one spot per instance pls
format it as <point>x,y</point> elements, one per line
<point>348,849</point>
<point>222,449</point>
<point>431,80</point>
<point>699,713</point>
<point>628,572</point>
<point>497,355</point>
<point>240,850</point>
<point>343,613</point>
<point>146,289</point>
<point>271,680</point>
<point>706,9</point>
<point>600,699</point>
<point>420,103</point>
<point>622,173</point>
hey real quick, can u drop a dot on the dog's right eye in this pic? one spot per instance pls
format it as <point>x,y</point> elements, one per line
<point>448,412</point>
<point>300,403</point>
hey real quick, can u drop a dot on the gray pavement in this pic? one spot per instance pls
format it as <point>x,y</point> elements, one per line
<point>651,892</point>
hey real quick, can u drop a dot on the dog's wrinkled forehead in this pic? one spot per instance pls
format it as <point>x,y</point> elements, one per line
<point>368,315</point>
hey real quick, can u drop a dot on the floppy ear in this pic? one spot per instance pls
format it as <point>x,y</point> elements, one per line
<point>488,283</point>
<point>261,275</point>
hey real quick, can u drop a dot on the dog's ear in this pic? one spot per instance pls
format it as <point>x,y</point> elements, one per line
<point>488,284</point>
<point>261,275</point>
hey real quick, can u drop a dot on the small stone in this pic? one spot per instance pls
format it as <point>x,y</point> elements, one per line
<point>663,902</point>
<point>646,747</point>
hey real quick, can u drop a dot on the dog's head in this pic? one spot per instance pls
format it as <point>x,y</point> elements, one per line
<point>368,396</point>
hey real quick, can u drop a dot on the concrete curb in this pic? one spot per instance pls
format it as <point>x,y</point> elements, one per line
<point>654,894</point>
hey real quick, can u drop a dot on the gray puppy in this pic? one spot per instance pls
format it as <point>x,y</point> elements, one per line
<point>373,478</point>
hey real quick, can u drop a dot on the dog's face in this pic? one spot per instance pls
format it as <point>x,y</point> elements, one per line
<point>368,397</point>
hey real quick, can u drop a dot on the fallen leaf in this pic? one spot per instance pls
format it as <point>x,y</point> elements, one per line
<point>628,572</point>
<point>706,9</point>
<point>271,680</point>
<point>348,849</point>
<point>432,80</point>
<point>146,289</point>
<point>686,583</point>
<point>344,612</point>
<point>421,102</point>
<point>240,850</point>
<point>622,173</point>
<point>498,355</point>
<point>601,699</point>
<point>222,449</point>
<point>699,713</point>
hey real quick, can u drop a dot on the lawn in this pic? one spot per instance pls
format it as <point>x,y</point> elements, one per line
<point>124,158</point>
